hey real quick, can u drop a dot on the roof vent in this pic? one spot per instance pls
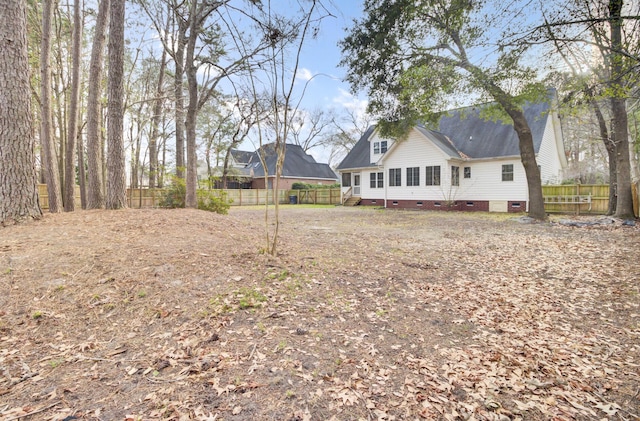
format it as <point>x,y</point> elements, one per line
<point>470,138</point>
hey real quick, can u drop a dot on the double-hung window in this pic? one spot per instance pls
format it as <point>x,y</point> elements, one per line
<point>383,146</point>
<point>376,180</point>
<point>467,172</point>
<point>413,176</point>
<point>433,175</point>
<point>395,177</point>
<point>376,147</point>
<point>455,176</point>
<point>507,172</point>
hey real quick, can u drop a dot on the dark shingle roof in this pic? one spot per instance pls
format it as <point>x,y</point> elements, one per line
<point>479,138</point>
<point>359,155</point>
<point>241,157</point>
<point>464,134</point>
<point>297,163</point>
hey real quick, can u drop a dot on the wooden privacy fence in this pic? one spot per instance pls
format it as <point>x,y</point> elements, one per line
<point>43,195</point>
<point>560,199</point>
<point>151,198</point>
<point>582,198</point>
<point>316,196</point>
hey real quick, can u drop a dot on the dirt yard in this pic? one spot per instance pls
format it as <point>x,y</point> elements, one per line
<point>366,315</point>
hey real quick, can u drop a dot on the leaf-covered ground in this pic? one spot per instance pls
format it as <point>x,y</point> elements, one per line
<point>366,315</point>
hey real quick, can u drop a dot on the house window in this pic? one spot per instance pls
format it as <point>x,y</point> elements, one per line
<point>346,179</point>
<point>455,176</point>
<point>467,172</point>
<point>433,176</point>
<point>376,180</point>
<point>507,172</point>
<point>395,177</point>
<point>383,146</point>
<point>413,176</point>
<point>376,147</point>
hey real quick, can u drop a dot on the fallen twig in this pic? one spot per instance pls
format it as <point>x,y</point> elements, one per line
<point>37,411</point>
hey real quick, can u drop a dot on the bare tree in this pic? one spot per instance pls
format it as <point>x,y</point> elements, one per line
<point>609,30</point>
<point>50,164</point>
<point>116,179</point>
<point>280,63</point>
<point>18,189</point>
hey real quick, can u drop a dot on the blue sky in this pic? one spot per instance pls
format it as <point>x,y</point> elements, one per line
<point>321,57</point>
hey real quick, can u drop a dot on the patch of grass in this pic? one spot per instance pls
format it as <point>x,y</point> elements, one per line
<point>142,293</point>
<point>249,298</point>
<point>55,363</point>
<point>59,288</point>
<point>290,394</point>
<point>218,305</point>
<point>37,315</point>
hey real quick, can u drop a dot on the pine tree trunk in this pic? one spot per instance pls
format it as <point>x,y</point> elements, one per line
<point>18,176</point>
<point>192,111</point>
<point>50,163</point>
<point>95,192</point>
<point>620,129</point>
<point>72,130</point>
<point>116,179</point>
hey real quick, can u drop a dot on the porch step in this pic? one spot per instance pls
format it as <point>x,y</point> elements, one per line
<point>352,201</point>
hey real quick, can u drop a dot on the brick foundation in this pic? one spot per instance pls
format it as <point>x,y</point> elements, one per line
<point>443,205</point>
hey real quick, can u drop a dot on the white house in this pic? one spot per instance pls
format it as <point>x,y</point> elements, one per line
<point>469,163</point>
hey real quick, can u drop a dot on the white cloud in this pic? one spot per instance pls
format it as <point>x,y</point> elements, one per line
<point>304,74</point>
<point>351,102</point>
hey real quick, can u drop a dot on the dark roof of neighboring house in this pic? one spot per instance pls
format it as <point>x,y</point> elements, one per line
<point>463,133</point>
<point>297,163</point>
<point>241,157</point>
<point>358,156</point>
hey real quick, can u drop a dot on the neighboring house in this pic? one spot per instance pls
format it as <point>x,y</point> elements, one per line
<point>240,159</point>
<point>298,167</point>
<point>467,164</point>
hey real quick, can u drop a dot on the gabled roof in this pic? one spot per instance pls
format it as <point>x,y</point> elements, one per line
<point>462,133</point>
<point>241,157</point>
<point>297,163</point>
<point>479,138</point>
<point>359,155</point>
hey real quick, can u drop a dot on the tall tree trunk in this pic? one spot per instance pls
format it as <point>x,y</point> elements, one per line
<point>72,130</point>
<point>155,123</point>
<point>82,175</point>
<point>178,92</point>
<point>95,192</point>
<point>18,176</point>
<point>620,129</point>
<point>610,147</point>
<point>192,111</point>
<point>46,132</point>
<point>116,179</point>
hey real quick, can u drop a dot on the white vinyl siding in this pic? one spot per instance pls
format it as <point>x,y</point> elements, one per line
<point>417,151</point>
<point>548,158</point>
<point>378,147</point>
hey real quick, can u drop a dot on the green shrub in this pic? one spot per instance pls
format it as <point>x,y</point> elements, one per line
<point>305,186</point>
<point>174,195</point>
<point>208,200</point>
<point>214,201</point>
